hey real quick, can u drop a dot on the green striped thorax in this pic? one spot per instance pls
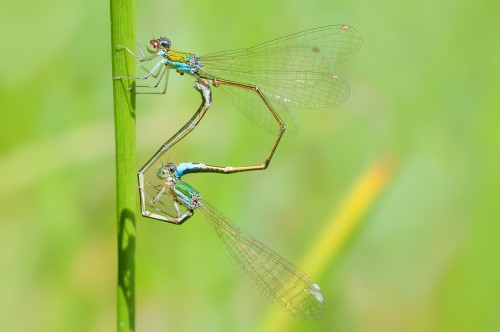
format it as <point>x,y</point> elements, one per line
<point>182,62</point>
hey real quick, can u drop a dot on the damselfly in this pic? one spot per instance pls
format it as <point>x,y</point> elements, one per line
<point>287,286</point>
<point>261,81</point>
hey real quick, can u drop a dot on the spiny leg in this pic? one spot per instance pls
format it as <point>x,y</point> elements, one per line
<point>139,59</point>
<point>142,59</point>
<point>140,50</point>
<point>163,76</point>
<point>156,68</point>
<point>159,71</point>
<point>150,72</point>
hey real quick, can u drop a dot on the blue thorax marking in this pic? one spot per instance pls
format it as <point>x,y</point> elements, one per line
<point>181,67</point>
<point>186,168</point>
<point>183,62</point>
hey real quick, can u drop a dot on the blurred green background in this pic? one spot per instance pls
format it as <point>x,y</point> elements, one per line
<point>423,94</point>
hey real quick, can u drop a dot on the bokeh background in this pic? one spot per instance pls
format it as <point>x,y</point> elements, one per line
<point>421,253</point>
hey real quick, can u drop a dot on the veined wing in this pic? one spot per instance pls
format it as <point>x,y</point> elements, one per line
<point>282,282</point>
<point>292,70</point>
<point>164,207</point>
<point>311,50</point>
<point>287,286</point>
<point>249,103</point>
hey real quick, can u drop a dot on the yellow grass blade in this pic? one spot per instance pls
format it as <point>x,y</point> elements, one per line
<point>341,226</point>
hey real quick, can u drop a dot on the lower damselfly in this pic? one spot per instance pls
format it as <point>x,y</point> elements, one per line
<point>289,288</point>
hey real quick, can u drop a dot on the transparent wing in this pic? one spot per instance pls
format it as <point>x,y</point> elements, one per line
<point>287,286</point>
<point>293,70</point>
<point>165,206</point>
<point>250,104</point>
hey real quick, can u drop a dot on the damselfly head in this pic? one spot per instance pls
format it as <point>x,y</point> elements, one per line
<point>163,172</point>
<point>172,168</point>
<point>160,44</point>
<point>166,170</point>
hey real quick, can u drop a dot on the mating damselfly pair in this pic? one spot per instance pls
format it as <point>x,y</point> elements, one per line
<point>262,82</point>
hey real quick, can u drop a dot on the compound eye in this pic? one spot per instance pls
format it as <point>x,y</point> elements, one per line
<point>162,173</point>
<point>165,43</point>
<point>153,46</point>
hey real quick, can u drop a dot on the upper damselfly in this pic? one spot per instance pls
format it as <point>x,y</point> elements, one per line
<point>263,81</point>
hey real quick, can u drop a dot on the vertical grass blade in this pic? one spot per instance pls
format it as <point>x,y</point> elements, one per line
<point>123,33</point>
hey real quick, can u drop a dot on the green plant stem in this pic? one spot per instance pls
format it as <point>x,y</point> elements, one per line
<point>123,33</point>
